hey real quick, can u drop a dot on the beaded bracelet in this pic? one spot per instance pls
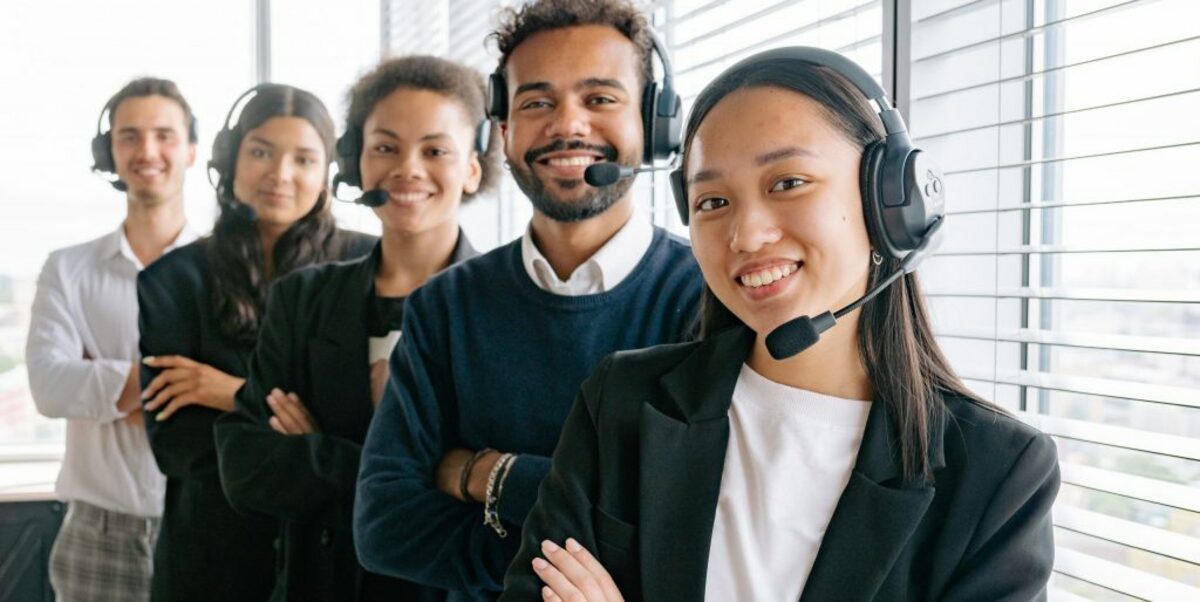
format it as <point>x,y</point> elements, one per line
<point>491,516</point>
<point>465,477</point>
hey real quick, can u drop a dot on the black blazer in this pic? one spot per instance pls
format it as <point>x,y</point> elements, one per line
<point>205,550</point>
<point>637,474</point>
<point>314,344</point>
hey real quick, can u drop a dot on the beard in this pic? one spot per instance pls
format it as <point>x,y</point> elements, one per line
<point>588,204</point>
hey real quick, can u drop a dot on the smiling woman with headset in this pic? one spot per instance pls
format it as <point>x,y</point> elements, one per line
<point>769,462</point>
<point>200,308</point>
<point>416,139</point>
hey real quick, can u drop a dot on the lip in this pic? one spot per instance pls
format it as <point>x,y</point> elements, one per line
<point>769,290</point>
<point>409,196</point>
<point>275,197</point>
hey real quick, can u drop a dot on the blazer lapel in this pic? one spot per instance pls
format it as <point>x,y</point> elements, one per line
<point>875,517</point>
<point>339,369</point>
<point>682,456</point>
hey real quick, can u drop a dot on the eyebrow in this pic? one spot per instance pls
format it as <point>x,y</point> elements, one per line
<point>133,130</point>
<point>391,134</point>
<point>591,82</point>
<point>268,143</point>
<point>761,160</point>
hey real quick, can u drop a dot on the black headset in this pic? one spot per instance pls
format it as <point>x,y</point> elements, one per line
<point>350,146</point>
<point>662,110</point>
<point>102,157</point>
<point>902,192</point>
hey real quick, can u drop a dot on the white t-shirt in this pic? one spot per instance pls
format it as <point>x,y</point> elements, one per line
<point>790,455</point>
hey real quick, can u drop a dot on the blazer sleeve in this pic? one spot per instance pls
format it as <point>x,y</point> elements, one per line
<point>403,525</point>
<point>1011,554</point>
<point>566,500</point>
<point>170,325</point>
<point>303,478</point>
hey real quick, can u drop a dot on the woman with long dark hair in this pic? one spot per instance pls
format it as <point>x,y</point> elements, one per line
<point>416,136</point>
<point>200,308</point>
<point>735,468</point>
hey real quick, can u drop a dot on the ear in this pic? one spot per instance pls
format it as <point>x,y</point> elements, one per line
<point>474,174</point>
<point>191,155</point>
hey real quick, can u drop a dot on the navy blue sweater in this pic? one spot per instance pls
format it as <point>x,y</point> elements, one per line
<point>490,360</point>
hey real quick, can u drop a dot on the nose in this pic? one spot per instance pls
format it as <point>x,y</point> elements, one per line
<point>409,166</point>
<point>570,120</point>
<point>754,226</point>
<point>282,169</point>
<point>147,147</point>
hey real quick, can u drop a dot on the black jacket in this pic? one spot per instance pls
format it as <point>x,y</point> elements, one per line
<point>205,550</point>
<point>314,344</point>
<point>637,474</point>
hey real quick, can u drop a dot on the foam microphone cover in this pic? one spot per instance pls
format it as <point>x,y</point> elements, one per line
<point>373,198</point>
<point>794,336</point>
<point>602,174</point>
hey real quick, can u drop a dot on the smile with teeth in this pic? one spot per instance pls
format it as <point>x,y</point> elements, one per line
<point>410,197</point>
<point>569,161</point>
<point>767,276</point>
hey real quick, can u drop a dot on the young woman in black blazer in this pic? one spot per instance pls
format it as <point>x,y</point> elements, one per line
<point>291,449</point>
<point>859,469</point>
<point>200,309</point>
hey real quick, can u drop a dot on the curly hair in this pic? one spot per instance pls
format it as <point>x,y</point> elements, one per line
<point>517,25</point>
<point>431,73</point>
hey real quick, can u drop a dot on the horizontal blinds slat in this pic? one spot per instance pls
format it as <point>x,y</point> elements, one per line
<point>1068,249</point>
<point>1128,533</point>
<point>1024,33</point>
<point>736,23</point>
<point>1131,486</point>
<point>1170,346</point>
<point>1056,204</point>
<point>1056,68</point>
<point>699,10</point>
<point>1177,396</point>
<point>1045,160</point>
<point>1079,294</point>
<point>1120,578</point>
<point>1186,448</point>
<point>737,52</point>
<point>1044,116</point>
<point>949,12</point>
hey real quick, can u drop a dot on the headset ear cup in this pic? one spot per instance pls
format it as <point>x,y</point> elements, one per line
<point>348,148</point>
<point>679,192</point>
<point>670,125</point>
<point>102,159</point>
<point>649,122</point>
<point>483,136</point>
<point>872,198</point>
<point>497,97</point>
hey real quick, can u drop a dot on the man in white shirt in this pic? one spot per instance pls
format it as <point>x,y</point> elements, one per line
<point>82,351</point>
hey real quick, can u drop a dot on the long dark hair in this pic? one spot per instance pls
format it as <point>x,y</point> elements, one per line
<point>237,277</point>
<point>902,357</point>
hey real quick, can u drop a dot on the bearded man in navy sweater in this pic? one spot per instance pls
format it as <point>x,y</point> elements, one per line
<point>494,350</point>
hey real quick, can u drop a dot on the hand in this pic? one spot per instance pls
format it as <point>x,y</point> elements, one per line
<point>574,574</point>
<point>136,417</point>
<point>184,382</point>
<point>379,380</point>
<point>130,399</point>
<point>449,473</point>
<point>291,417</point>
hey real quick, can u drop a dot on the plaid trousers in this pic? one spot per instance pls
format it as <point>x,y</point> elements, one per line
<point>102,555</point>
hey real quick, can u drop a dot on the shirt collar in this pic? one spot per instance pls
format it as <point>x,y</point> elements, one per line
<point>603,271</point>
<point>119,243</point>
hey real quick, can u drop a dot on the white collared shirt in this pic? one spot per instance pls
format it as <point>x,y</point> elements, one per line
<point>603,271</point>
<point>83,339</point>
<point>789,457</point>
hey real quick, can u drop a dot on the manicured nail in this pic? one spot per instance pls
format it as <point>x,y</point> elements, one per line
<point>146,360</point>
<point>572,545</point>
<point>160,417</point>
<point>539,564</point>
<point>549,546</point>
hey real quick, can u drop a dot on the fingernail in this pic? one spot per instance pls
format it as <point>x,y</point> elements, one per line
<point>572,545</point>
<point>539,564</point>
<point>270,400</point>
<point>549,546</point>
<point>160,417</point>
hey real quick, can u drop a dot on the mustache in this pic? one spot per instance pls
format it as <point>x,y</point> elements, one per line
<point>608,151</point>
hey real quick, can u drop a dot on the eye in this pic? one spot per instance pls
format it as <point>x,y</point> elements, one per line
<point>306,161</point>
<point>711,204</point>
<point>535,104</point>
<point>788,184</point>
<point>602,100</point>
<point>258,153</point>
<point>438,152</point>
<point>383,149</point>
